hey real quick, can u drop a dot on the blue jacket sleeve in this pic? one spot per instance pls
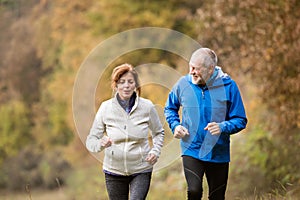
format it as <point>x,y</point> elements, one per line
<point>236,118</point>
<point>171,110</point>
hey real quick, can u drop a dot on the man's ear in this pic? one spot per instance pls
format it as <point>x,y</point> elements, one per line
<point>211,69</point>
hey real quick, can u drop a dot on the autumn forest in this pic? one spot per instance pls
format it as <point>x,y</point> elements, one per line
<point>45,45</point>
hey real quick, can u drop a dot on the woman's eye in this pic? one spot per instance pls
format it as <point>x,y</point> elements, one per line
<point>123,82</point>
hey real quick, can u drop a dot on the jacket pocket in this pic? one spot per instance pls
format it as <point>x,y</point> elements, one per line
<point>114,158</point>
<point>216,113</point>
<point>109,156</point>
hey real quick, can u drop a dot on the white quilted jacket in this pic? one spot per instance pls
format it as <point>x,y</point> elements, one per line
<point>129,133</point>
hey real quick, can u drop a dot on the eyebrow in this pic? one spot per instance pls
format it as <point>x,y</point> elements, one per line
<point>126,79</point>
<point>122,79</point>
<point>195,66</point>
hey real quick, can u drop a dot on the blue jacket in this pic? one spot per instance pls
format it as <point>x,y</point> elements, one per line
<point>219,101</point>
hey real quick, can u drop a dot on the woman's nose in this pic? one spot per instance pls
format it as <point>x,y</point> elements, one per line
<point>126,84</point>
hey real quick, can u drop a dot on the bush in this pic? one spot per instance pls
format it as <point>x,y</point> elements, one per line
<point>53,169</point>
<point>33,168</point>
<point>14,128</point>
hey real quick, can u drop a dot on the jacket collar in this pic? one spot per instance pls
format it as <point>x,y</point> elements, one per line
<point>134,98</point>
<point>218,78</point>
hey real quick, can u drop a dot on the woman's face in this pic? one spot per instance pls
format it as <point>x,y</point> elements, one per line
<point>126,86</point>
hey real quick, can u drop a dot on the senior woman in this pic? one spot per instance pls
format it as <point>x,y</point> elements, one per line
<point>121,128</point>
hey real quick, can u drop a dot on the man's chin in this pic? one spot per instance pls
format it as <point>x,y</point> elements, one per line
<point>196,82</point>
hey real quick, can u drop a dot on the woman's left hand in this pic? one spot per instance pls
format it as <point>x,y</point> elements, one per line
<point>151,158</point>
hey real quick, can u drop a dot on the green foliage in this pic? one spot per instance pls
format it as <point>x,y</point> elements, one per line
<point>11,4</point>
<point>51,128</point>
<point>53,169</point>
<point>259,152</point>
<point>128,15</point>
<point>59,130</point>
<point>34,168</point>
<point>87,183</point>
<point>14,128</point>
<point>269,166</point>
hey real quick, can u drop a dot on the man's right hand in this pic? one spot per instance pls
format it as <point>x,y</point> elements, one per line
<point>180,132</point>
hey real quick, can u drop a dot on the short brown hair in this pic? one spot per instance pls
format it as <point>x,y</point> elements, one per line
<point>120,70</point>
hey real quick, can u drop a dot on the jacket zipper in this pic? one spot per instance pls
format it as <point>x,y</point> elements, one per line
<point>126,148</point>
<point>111,158</point>
<point>142,156</point>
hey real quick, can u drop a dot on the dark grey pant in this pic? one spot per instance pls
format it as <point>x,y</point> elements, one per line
<point>135,186</point>
<point>216,175</point>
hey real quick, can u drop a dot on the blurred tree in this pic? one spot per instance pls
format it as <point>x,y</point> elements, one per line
<point>63,44</point>
<point>14,128</point>
<point>19,62</point>
<point>46,41</point>
<point>261,38</point>
<point>34,168</point>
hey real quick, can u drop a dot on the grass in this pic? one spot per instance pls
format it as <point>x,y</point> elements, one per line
<point>87,182</point>
<point>37,194</point>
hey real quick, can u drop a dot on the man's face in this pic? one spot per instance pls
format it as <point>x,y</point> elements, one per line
<point>200,74</point>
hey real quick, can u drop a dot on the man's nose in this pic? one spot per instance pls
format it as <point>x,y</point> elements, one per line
<point>192,71</point>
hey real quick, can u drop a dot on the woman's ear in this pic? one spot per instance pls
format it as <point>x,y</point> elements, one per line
<point>115,89</point>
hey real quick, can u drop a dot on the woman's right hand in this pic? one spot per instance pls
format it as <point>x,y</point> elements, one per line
<point>105,141</point>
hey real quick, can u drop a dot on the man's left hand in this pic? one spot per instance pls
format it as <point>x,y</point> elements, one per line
<point>213,128</point>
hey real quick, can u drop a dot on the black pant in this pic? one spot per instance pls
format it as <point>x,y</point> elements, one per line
<point>119,187</point>
<point>216,175</point>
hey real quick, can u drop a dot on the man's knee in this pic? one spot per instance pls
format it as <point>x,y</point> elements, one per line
<point>195,193</point>
<point>218,193</point>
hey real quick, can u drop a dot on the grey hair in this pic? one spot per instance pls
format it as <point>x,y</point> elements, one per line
<point>204,57</point>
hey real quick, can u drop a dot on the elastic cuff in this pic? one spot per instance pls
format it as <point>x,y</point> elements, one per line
<point>174,126</point>
<point>221,127</point>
